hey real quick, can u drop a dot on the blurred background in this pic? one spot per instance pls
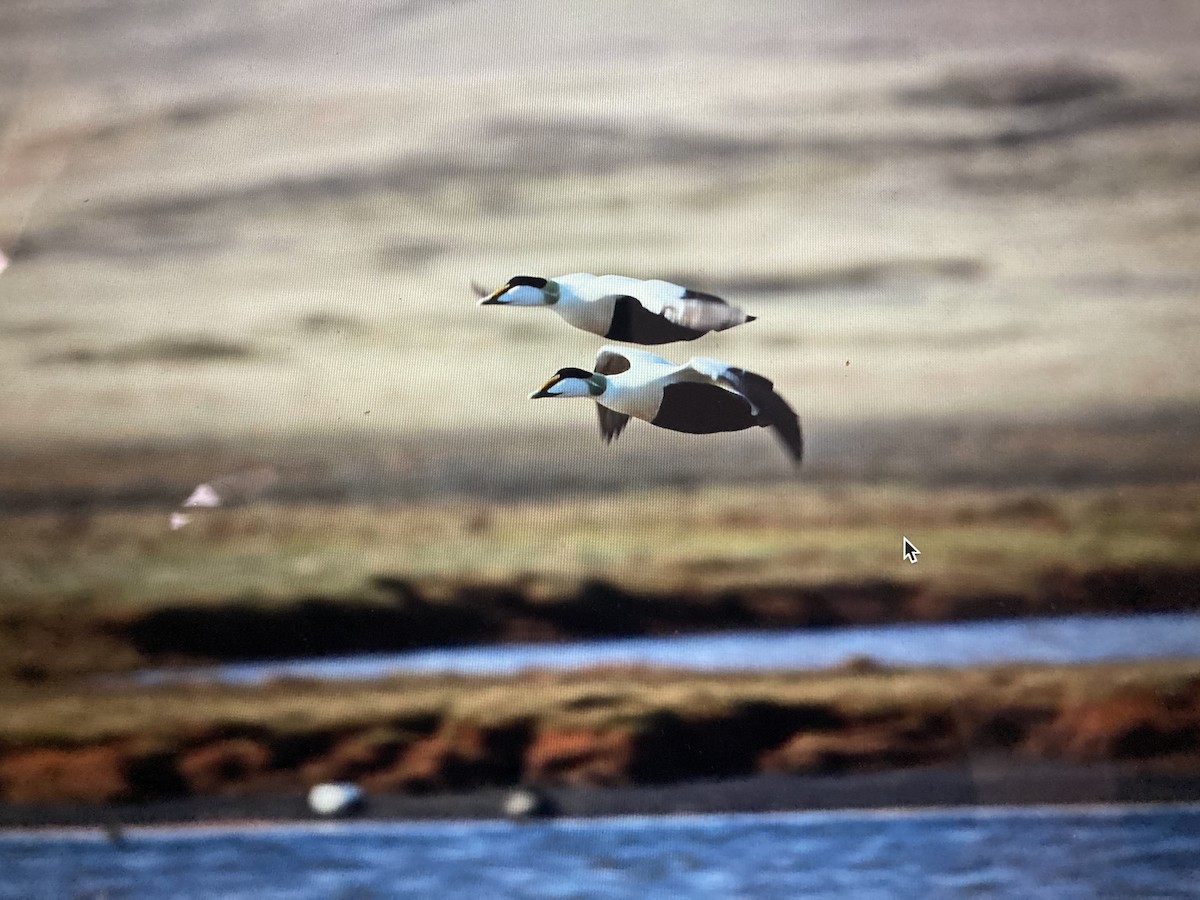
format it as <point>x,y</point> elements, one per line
<point>238,248</point>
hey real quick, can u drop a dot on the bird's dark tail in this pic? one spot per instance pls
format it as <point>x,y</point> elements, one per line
<point>772,409</point>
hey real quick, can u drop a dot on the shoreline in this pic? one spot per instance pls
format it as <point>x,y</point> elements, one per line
<point>413,614</point>
<point>418,743</point>
<point>980,784</point>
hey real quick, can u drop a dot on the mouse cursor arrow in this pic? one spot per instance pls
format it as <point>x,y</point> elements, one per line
<point>910,552</point>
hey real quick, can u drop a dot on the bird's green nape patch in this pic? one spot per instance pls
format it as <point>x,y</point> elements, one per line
<point>597,384</point>
<point>552,291</point>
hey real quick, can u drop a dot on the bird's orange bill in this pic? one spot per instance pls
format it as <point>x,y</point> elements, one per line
<point>493,298</point>
<point>544,390</point>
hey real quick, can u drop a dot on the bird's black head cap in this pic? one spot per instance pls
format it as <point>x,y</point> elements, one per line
<point>573,372</point>
<point>530,280</point>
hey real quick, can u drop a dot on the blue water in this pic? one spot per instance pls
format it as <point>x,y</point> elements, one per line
<point>1060,640</point>
<point>1022,853</point>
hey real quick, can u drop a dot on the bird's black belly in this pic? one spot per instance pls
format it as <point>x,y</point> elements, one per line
<point>697,408</point>
<point>634,324</point>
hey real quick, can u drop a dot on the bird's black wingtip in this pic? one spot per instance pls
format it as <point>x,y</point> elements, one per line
<point>751,318</point>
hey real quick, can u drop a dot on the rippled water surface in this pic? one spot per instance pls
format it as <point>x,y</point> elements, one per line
<point>1059,853</point>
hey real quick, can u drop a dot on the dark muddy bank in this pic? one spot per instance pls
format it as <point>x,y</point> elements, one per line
<point>432,613</point>
<point>1035,784</point>
<point>441,615</point>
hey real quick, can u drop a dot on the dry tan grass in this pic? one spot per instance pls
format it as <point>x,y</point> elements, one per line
<point>701,540</point>
<point>594,698</point>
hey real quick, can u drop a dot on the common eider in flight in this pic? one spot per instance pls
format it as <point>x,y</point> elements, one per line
<point>621,308</point>
<point>702,396</point>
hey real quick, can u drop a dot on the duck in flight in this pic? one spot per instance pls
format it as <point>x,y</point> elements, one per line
<point>621,308</point>
<point>702,396</point>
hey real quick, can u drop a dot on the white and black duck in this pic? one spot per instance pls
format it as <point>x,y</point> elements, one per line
<point>702,396</point>
<point>620,308</point>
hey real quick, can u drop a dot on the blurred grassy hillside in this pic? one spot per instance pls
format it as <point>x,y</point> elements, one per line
<point>242,239</point>
<point>113,590</point>
<point>245,239</point>
<point>256,226</point>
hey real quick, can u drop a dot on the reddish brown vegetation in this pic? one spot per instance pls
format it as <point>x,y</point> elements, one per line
<point>457,756</point>
<point>1138,726</point>
<point>223,765</point>
<point>581,756</point>
<point>1133,725</point>
<point>869,745</point>
<point>83,774</point>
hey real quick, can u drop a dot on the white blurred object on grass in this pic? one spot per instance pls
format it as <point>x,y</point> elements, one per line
<point>204,495</point>
<point>237,487</point>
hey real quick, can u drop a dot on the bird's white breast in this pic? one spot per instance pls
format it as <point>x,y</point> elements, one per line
<point>594,316</point>
<point>637,392</point>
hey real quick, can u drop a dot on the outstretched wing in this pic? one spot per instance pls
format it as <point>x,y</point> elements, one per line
<point>768,407</point>
<point>771,407</point>
<point>689,309</point>
<point>612,423</point>
<point>703,312</point>
<point>611,361</point>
